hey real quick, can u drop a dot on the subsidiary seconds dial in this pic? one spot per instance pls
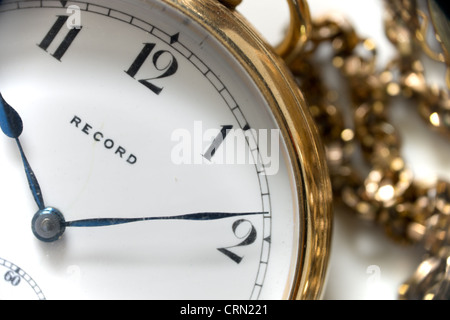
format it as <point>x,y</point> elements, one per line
<point>17,284</point>
<point>156,164</point>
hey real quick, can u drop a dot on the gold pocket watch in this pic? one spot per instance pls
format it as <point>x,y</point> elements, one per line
<point>168,152</point>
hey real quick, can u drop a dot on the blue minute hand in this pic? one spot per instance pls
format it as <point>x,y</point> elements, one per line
<point>203,216</point>
<point>49,225</point>
<point>12,126</point>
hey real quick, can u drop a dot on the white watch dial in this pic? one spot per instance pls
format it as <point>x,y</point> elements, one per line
<point>131,110</point>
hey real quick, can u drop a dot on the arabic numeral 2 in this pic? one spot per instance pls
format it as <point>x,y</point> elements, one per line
<point>249,238</point>
<point>12,278</point>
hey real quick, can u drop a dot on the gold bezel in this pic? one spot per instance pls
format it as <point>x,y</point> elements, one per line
<point>290,110</point>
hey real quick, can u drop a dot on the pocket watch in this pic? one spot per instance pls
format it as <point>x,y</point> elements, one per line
<point>155,149</point>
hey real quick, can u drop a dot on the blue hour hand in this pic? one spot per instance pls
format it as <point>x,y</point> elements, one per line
<point>12,127</point>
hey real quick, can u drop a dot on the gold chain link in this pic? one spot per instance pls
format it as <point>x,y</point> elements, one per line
<point>409,210</point>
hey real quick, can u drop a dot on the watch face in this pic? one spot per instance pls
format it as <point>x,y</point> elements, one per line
<point>132,110</point>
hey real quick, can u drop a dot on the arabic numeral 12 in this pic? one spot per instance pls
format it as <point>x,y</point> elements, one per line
<point>163,62</point>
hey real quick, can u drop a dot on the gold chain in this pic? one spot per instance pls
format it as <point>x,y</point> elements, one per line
<point>409,210</point>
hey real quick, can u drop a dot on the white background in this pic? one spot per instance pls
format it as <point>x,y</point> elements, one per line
<point>365,264</point>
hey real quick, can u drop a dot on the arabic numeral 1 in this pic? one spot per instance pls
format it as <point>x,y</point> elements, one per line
<point>13,278</point>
